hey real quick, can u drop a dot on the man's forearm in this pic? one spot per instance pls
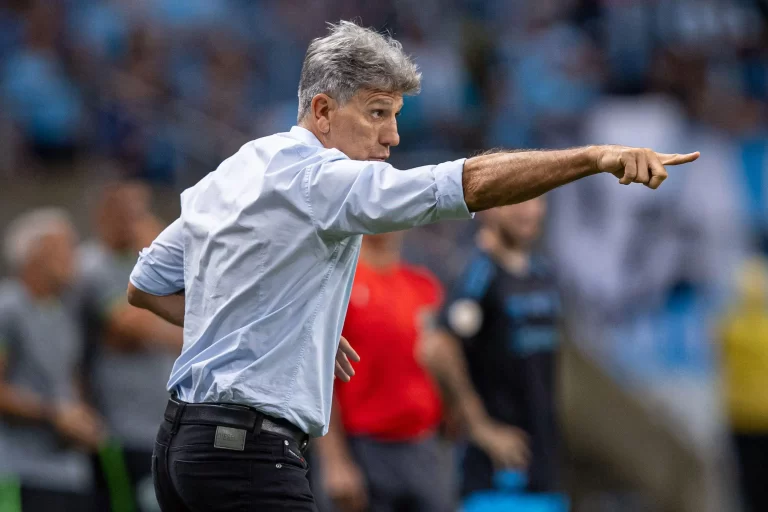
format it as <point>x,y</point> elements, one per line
<point>138,328</point>
<point>498,179</point>
<point>167,307</point>
<point>446,362</point>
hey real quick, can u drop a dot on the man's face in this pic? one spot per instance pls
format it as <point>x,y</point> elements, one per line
<point>519,224</point>
<point>122,208</point>
<point>366,126</point>
<point>54,256</point>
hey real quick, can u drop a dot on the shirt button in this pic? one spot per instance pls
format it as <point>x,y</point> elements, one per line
<point>286,443</point>
<point>278,465</point>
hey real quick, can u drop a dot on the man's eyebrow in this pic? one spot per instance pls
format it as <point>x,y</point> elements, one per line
<point>382,101</point>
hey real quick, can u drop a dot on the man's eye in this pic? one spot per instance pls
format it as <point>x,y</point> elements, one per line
<point>377,113</point>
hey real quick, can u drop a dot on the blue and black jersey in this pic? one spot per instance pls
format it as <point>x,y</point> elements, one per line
<point>509,326</point>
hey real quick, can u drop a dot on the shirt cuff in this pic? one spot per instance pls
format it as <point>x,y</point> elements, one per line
<point>450,191</point>
<point>147,279</point>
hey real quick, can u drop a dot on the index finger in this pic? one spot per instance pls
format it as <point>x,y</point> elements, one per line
<point>676,159</point>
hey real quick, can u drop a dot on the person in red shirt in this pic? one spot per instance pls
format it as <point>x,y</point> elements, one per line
<point>382,442</point>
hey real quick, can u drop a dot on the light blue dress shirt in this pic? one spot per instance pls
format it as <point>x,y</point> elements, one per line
<point>266,248</point>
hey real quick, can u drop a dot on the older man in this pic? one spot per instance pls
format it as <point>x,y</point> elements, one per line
<point>259,267</point>
<point>46,430</point>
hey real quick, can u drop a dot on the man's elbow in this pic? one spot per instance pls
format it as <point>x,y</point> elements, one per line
<point>135,296</point>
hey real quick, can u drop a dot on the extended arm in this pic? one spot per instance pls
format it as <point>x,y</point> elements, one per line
<point>498,179</point>
<point>347,197</point>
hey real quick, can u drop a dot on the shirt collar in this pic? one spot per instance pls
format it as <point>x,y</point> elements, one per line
<point>305,136</point>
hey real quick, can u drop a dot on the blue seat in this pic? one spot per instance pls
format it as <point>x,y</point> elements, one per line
<point>509,496</point>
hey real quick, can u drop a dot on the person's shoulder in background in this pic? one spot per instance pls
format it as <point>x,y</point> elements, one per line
<point>423,278</point>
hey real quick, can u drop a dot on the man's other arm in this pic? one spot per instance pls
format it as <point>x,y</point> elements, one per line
<point>125,327</point>
<point>157,280</point>
<point>168,307</point>
<point>129,327</point>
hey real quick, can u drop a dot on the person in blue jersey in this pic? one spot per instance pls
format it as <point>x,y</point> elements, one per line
<point>259,267</point>
<point>494,352</point>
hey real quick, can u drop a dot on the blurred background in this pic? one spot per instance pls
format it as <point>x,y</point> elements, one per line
<point>664,375</point>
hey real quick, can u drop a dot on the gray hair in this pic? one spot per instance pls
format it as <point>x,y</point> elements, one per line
<point>26,231</point>
<point>351,58</point>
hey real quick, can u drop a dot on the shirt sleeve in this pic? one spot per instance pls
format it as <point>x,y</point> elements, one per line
<point>350,197</point>
<point>160,269</point>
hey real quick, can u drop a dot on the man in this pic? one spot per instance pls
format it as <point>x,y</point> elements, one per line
<point>134,349</point>
<point>382,439</point>
<point>259,267</point>
<point>494,352</point>
<point>46,429</point>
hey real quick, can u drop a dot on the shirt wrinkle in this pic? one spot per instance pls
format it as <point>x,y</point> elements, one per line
<point>266,248</point>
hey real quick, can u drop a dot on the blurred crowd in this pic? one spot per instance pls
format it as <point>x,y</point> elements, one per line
<point>169,87</point>
<point>665,291</point>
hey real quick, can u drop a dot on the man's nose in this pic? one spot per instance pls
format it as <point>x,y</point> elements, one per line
<point>389,136</point>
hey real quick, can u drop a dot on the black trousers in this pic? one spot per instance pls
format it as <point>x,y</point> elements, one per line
<point>190,474</point>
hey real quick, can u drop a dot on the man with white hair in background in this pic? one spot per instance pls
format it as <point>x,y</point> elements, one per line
<point>259,267</point>
<point>46,430</point>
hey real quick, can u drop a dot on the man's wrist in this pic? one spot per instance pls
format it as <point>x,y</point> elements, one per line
<point>592,155</point>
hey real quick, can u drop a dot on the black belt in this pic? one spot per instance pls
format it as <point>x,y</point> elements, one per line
<point>231,415</point>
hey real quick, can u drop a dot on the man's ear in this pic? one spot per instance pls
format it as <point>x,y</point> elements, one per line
<point>322,108</point>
